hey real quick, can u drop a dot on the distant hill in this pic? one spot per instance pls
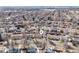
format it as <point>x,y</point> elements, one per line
<point>23,8</point>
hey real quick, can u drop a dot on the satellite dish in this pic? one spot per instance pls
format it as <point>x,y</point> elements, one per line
<point>41,32</point>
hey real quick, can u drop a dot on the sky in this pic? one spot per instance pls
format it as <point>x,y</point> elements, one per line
<point>39,3</point>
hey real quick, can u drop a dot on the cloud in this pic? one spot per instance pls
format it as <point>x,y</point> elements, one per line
<point>39,3</point>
